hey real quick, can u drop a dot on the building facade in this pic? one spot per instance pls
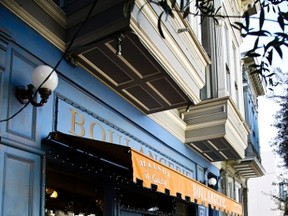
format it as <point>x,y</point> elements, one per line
<point>138,124</point>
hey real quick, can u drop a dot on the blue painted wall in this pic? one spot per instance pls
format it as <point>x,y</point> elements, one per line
<point>251,115</point>
<point>21,50</point>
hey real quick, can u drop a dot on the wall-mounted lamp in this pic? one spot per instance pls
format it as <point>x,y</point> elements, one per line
<point>44,77</point>
<point>212,181</point>
<point>51,193</point>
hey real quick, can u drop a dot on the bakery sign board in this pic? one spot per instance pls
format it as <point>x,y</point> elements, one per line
<point>151,172</point>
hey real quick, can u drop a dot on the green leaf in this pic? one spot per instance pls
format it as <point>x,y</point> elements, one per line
<point>259,33</point>
<point>166,8</point>
<point>284,15</point>
<point>281,22</point>
<point>256,43</point>
<point>273,44</point>
<point>139,12</point>
<point>218,9</point>
<point>261,18</point>
<point>279,51</point>
<point>252,54</point>
<point>182,5</point>
<point>270,81</point>
<point>238,25</point>
<point>270,75</point>
<point>173,3</point>
<point>160,26</point>
<point>186,12</point>
<point>128,7</point>
<point>270,56</point>
<point>247,20</point>
<point>282,34</point>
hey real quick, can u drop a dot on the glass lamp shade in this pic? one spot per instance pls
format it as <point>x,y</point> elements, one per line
<point>212,181</point>
<point>40,73</point>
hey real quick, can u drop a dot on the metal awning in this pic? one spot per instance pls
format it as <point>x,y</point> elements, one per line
<point>57,144</point>
<point>135,74</point>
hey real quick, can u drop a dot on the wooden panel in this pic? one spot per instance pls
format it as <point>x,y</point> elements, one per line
<point>168,92</point>
<point>20,182</point>
<point>144,97</point>
<point>139,58</point>
<point>3,49</point>
<point>135,74</point>
<point>22,125</point>
<point>110,66</point>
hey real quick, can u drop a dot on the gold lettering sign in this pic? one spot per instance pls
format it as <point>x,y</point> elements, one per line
<point>78,121</point>
<point>153,172</point>
<point>96,130</point>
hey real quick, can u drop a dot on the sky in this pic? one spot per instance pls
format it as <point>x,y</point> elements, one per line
<point>267,106</point>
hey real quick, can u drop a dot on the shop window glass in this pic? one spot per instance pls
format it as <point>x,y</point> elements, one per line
<point>184,209</point>
<point>77,195</point>
<point>238,192</point>
<point>230,188</point>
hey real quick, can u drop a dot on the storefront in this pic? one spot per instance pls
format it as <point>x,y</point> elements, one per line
<point>92,177</point>
<point>99,153</point>
<point>121,170</point>
<point>103,177</point>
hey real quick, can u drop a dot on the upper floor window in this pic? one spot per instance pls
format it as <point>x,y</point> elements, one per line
<point>226,45</point>
<point>238,193</point>
<point>206,91</point>
<point>235,58</point>
<point>230,188</point>
<point>227,60</point>
<point>195,21</point>
<point>283,190</point>
<point>228,79</point>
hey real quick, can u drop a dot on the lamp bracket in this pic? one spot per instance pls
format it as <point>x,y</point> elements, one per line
<point>27,95</point>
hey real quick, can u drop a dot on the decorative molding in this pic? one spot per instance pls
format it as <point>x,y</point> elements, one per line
<point>4,41</point>
<point>34,23</point>
<point>170,121</point>
<point>53,10</point>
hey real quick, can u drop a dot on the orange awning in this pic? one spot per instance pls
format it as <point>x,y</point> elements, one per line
<point>151,172</point>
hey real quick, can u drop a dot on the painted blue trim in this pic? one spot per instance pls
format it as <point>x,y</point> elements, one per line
<point>251,115</point>
<point>42,49</point>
